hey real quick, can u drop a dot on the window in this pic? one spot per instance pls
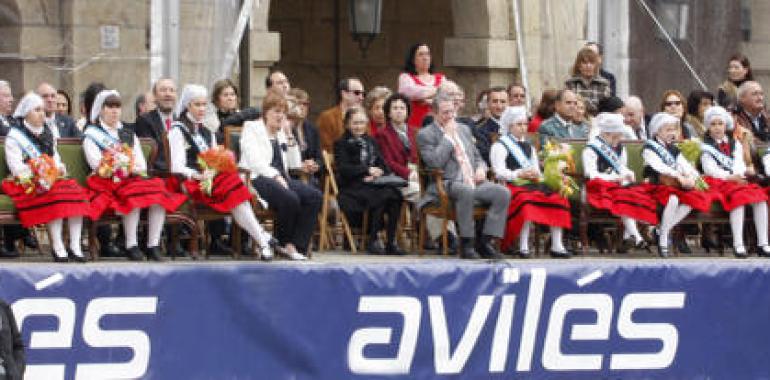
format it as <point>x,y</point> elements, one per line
<point>674,16</point>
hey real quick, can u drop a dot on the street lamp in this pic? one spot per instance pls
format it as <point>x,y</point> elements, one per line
<point>365,19</point>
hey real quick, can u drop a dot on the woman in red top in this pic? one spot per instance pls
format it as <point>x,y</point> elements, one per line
<point>418,82</point>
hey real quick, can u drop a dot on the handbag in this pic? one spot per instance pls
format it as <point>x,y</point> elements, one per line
<point>390,180</point>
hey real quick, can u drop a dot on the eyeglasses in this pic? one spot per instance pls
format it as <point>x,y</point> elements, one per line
<point>673,103</point>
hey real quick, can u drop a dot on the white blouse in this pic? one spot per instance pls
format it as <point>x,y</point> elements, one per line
<point>94,153</point>
<point>14,155</point>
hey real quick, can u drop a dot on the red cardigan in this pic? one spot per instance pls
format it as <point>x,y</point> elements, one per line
<point>396,157</point>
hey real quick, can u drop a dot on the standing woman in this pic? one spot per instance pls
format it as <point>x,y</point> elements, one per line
<point>738,71</point>
<point>418,82</point>
<point>514,160</point>
<point>586,81</point>
<point>114,153</point>
<point>373,103</point>
<point>187,139</point>
<point>29,144</point>
<point>359,163</point>
<point>725,171</point>
<point>267,147</point>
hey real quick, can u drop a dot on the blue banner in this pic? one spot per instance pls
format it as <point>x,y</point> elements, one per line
<point>584,319</point>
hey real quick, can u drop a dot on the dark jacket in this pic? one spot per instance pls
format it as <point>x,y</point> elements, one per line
<point>66,126</point>
<point>150,125</point>
<point>312,146</point>
<point>11,346</point>
<point>610,78</point>
<point>236,118</point>
<point>347,158</point>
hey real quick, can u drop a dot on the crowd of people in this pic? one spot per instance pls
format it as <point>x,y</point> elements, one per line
<point>697,151</point>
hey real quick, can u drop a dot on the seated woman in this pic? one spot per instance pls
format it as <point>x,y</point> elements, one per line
<point>119,184</point>
<point>38,192</point>
<point>359,163</point>
<point>609,181</point>
<point>725,173</point>
<point>265,150</point>
<point>673,176</point>
<point>514,161</point>
<point>225,192</point>
<point>306,135</point>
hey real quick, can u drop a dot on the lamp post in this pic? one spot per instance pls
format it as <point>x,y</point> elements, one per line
<point>365,18</point>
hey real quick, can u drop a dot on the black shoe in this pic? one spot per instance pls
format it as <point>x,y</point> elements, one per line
<point>58,259</point>
<point>110,250</point>
<point>560,255</point>
<point>73,257</point>
<point>135,254</point>
<point>30,241</point>
<point>524,254</point>
<point>741,253</point>
<point>681,246</point>
<point>468,251</point>
<point>392,248</point>
<point>375,247</point>
<point>487,250</point>
<point>153,254</point>
<point>219,248</point>
<point>8,254</point>
<point>763,251</point>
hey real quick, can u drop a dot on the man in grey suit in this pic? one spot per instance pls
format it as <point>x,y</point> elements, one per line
<point>448,145</point>
<point>61,125</point>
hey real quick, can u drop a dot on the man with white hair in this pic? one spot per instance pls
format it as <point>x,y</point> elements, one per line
<point>633,116</point>
<point>750,113</point>
<point>605,165</point>
<point>61,125</point>
<point>6,108</point>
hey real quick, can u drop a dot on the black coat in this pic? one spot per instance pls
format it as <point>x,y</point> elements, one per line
<point>312,145</point>
<point>67,126</point>
<point>355,194</point>
<point>6,122</point>
<point>151,125</point>
<point>11,345</point>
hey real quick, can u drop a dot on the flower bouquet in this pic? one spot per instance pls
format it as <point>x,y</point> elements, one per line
<point>212,162</point>
<point>43,174</point>
<point>557,161</point>
<point>691,150</point>
<point>117,163</point>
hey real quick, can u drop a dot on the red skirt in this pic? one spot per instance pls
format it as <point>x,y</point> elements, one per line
<point>228,191</point>
<point>531,205</point>
<point>697,199</point>
<point>635,202</point>
<point>130,193</point>
<point>66,198</point>
<point>733,195</point>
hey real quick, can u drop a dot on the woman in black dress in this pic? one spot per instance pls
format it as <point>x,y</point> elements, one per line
<point>359,163</point>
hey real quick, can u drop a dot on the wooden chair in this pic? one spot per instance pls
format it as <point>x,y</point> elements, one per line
<point>71,152</point>
<point>443,209</point>
<point>331,191</point>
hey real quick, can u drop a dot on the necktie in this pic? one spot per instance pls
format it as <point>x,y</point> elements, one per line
<point>462,158</point>
<point>725,148</point>
<point>168,124</point>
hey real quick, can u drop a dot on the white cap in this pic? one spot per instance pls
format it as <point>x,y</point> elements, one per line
<point>660,119</point>
<point>96,108</point>
<point>610,122</point>
<point>26,104</point>
<point>718,112</point>
<point>512,115</point>
<point>190,92</point>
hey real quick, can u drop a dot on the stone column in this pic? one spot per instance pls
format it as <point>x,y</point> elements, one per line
<point>264,49</point>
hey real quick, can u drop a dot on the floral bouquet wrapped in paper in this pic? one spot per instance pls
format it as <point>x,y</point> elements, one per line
<point>691,150</point>
<point>557,161</point>
<point>43,174</point>
<point>117,163</point>
<point>212,162</point>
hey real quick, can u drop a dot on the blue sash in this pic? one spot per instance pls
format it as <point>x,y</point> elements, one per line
<point>664,154</point>
<point>101,138</point>
<point>725,161</point>
<point>29,148</point>
<point>605,151</point>
<point>197,138</point>
<point>515,150</point>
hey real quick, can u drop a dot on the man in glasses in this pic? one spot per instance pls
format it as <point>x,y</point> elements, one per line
<point>350,93</point>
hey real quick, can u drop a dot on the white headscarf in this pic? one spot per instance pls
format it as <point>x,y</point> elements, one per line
<point>26,104</point>
<point>718,112</point>
<point>96,108</point>
<point>512,115</point>
<point>610,123</point>
<point>190,92</point>
<point>660,119</point>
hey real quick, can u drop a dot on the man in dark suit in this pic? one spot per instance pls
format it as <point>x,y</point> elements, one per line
<point>487,132</point>
<point>155,124</point>
<point>61,125</point>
